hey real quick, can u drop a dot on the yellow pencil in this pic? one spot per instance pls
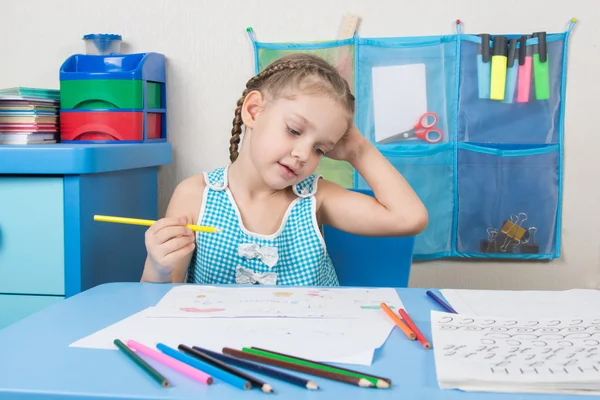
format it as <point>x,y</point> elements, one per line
<point>149,222</point>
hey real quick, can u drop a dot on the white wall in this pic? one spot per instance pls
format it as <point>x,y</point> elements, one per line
<point>210,59</point>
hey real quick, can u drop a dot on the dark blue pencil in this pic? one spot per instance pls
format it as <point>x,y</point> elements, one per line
<point>441,302</point>
<point>218,373</point>
<point>261,369</point>
<point>202,356</point>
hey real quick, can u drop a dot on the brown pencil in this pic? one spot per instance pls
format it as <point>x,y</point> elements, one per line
<point>379,384</point>
<point>361,382</point>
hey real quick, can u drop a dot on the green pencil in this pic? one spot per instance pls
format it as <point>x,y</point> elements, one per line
<point>380,383</point>
<point>142,364</point>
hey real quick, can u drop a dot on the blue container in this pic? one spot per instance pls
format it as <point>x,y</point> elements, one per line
<point>102,43</point>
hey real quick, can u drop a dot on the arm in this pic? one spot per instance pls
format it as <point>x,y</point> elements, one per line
<point>396,210</point>
<point>168,238</point>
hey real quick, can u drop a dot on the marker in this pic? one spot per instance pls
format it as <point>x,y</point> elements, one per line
<point>540,67</point>
<point>498,74</point>
<point>524,70</point>
<point>511,72</point>
<point>483,66</point>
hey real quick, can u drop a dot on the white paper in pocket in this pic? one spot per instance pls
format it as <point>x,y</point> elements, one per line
<point>399,98</point>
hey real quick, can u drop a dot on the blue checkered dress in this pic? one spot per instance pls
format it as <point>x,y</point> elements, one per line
<point>302,258</point>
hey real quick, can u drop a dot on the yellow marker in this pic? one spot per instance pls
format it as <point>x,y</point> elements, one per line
<point>149,222</point>
<point>499,61</point>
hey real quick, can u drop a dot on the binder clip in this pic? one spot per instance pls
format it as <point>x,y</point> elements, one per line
<point>529,246</point>
<point>512,236</point>
<point>513,231</point>
<point>490,245</point>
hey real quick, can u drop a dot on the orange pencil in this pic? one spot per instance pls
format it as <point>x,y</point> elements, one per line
<point>420,337</point>
<point>411,335</point>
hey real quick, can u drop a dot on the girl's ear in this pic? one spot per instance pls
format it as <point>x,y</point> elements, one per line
<point>253,103</point>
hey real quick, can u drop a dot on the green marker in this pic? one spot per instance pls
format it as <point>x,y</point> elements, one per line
<point>541,75</point>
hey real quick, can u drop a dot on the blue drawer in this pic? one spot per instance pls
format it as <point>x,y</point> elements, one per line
<point>32,235</point>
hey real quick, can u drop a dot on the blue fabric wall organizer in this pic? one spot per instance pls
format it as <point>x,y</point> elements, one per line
<point>493,184</point>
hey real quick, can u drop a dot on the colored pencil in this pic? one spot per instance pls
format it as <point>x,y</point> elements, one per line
<point>265,387</point>
<point>171,362</point>
<point>378,381</point>
<point>261,369</point>
<point>218,373</point>
<point>164,382</point>
<point>441,302</point>
<point>311,364</point>
<point>410,334</point>
<point>361,382</point>
<point>149,222</point>
<point>413,327</point>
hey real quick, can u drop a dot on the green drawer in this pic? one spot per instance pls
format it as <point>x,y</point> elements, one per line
<point>101,94</point>
<point>108,94</point>
<point>32,235</point>
<point>15,307</point>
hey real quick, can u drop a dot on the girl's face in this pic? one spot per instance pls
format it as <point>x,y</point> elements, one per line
<point>290,135</point>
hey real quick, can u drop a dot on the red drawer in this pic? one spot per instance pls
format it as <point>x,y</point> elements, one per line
<point>108,126</point>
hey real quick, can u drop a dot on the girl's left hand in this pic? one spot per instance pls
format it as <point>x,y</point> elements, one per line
<point>349,145</point>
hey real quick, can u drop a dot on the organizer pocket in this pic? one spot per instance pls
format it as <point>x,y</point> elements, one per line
<point>508,201</point>
<point>399,81</point>
<point>429,172</point>
<point>340,172</point>
<point>338,53</point>
<point>529,111</point>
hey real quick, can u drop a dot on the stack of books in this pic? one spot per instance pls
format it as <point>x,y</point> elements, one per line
<point>29,116</point>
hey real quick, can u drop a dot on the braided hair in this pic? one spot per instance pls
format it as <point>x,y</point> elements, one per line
<point>303,69</point>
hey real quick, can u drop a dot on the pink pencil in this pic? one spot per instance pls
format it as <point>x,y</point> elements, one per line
<point>171,362</point>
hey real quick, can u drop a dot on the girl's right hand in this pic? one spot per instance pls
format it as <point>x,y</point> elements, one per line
<point>168,241</point>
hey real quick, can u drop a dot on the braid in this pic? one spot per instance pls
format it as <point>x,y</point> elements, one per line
<point>306,65</point>
<point>236,131</point>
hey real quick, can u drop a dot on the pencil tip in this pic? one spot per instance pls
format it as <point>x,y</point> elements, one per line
<point>267,388</point>
<point>311,385</point>
<point>382,384</point>
<point>362,382</point>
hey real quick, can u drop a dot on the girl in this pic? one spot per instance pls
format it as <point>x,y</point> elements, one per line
<point>268,201</point>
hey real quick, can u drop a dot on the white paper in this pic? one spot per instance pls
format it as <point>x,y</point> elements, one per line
<point>517,354</point>
<point>326,340</point>
<point>399,99</point>
<point>196,301</point>
<point>525,303</point>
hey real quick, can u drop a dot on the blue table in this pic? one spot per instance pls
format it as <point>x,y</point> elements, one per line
<point>36,362</point>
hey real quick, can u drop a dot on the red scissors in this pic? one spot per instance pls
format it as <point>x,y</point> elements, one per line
<point>424,129</point>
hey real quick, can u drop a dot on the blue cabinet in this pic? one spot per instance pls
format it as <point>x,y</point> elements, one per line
<point>50,246</point>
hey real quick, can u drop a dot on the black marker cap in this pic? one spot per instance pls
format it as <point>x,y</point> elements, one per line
<point>542,50</point>
<point>484,48</point>
<point>524,50</point>
<point>512,52</point>
<point>500,43</point>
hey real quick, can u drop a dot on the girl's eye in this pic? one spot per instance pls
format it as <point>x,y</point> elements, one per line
<point>292,131</point>
<point>319,151</point>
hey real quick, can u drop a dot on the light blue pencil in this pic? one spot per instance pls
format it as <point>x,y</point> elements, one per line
<point>215,372</point>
